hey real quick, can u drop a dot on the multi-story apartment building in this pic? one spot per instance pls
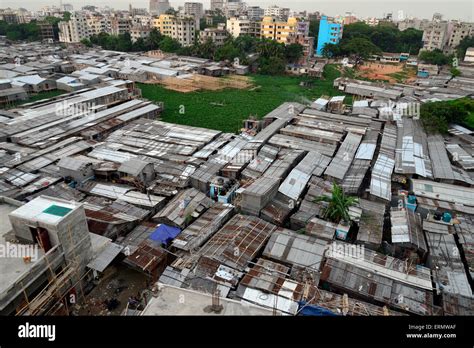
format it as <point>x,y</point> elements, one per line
<point>75,29</point>
<point>138,11</point>
<point>159,7</point>
<point>237,26</point>
<point>294,30</point>
<point>349,18</point>
<point>145,21</point>
<point>436,35</point>
<point>194,9</point>
<point>8,16</point>
<point>415,23</point>
<point>329,33</point>
<point>97,24</point>
<point>279,12</point>
<point>301,36</point>
<point>233,8</point>
<point>180,28</point>
<point>139,32</point>
<point>278,30</point>
<point>216,35</point>
<point>119,25</point>
<point>255,12</point>
<point>459,31</point>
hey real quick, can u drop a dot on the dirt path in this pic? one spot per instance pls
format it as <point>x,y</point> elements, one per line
<point>119,282</point>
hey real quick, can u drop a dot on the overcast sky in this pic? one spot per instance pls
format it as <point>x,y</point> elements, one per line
<point>451,9</point>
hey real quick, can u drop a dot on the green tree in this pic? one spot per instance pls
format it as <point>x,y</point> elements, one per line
<point>139,45</point>
<point>411,41</point>
<point>154,39</point>
<point>434,57</point>
<point>207,49</point>
<point>436,116</point>
<point>332,50</point>
<point>86,42</point>
<point>67,16</point>
<point>227,52</point>
<point>269,48</point>
<point>361,48</point>
<point>314,29</point>
<point>455,72</point>
<point>338,204</point>
<point>245,43</point>
<point>169,45</point>
<point>272,65</point>
<point>293,52</point>
<point>465,43</point>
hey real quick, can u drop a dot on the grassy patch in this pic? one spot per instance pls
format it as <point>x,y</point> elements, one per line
<point>225,110</point>
<point>470,120</point>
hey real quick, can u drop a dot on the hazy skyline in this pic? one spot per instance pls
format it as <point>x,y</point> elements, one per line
<point>457,9</point>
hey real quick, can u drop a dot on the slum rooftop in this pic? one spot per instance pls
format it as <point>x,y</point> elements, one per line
<point>229,207</point>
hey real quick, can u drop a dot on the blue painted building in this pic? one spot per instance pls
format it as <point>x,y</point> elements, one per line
<point>329,33</point>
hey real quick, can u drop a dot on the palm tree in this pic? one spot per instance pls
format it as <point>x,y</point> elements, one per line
<point>339,204</point>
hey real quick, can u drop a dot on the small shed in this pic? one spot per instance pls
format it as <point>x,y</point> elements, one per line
<point>134,168</point>
<point>77,169</point>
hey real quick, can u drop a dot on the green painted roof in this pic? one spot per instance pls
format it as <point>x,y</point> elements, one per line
<point>57,210</point>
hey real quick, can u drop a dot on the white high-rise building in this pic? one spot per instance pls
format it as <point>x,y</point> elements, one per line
<point>275,11</point>
<point>180,28</point>
<point>237,26</point>
<point>75,29</point>
<point>436,35</point>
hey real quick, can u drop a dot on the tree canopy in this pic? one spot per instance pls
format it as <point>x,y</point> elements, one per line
<point>434,57</point>
<point>30,31</point>
<point>437,116</point>
<point>338,204</point>
<point>465,43</point>
<point>363,40</point>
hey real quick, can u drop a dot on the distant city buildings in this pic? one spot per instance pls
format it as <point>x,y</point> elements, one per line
<point>159,7</point>
<point>278,12</point>
<point>75,29</point>
<point>255,12</point>
<point>413,23</point>
<point>216,35</point>
<point>217,5</point>
<point>232,8</point>
<point>274,28</point>
<point>329,33</point>
<point>349,18</point>
<point>372,21</point>
<point>194,9</point>
<point>181,28</point>
<point>237,26</point>
<point>66,7</point>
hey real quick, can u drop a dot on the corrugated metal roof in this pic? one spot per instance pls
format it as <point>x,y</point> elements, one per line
<point>105,258</point>
<point>300,250</point>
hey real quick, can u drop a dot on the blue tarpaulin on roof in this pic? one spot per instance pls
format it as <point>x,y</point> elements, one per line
<point>165,234</point>
<point>311,310</point>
